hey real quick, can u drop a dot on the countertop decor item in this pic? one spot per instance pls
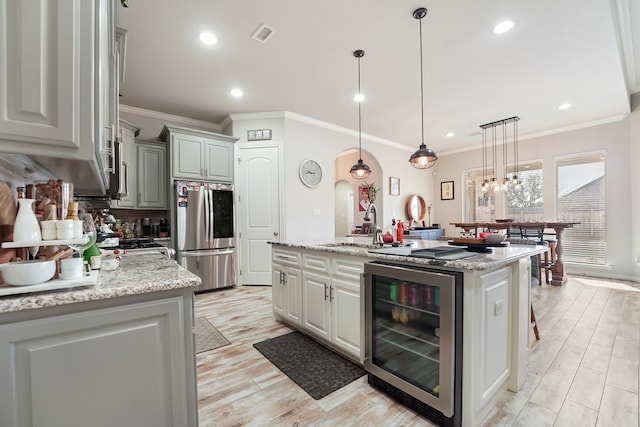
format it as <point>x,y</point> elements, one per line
<point>25,273</point>
<point>423,158</point>
<point>360,170</point>
<point>310,173</point>
<point>26,227</point>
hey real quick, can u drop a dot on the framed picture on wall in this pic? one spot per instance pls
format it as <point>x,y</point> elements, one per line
<point>446,190</point>
<point>394,186</point>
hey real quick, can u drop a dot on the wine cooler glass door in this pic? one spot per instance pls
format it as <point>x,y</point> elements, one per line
<point>410,331</point>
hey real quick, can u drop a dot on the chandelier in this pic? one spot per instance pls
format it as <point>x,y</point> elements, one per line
<point>491,130</point>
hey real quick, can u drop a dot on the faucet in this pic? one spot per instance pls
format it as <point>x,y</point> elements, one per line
<point>367,217</point>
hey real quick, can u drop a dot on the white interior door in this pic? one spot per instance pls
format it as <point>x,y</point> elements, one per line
<point>259,194</point>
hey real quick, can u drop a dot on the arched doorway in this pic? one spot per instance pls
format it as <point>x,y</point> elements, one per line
<point>347,191</point>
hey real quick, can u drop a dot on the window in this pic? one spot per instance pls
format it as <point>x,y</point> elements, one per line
<point>479,205</point>
<point>525,204</point>
<point>581,198</point>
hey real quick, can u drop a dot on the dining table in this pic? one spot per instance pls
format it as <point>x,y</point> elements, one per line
<point>558,278</point>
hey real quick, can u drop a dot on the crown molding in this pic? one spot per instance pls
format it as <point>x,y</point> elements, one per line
<point>544,133</point>
<point>171,118</point>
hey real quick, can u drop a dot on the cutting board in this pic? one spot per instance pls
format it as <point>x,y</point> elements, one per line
<point>8,211</point>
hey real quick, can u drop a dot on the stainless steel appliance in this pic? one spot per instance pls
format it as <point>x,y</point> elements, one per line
<point>204,235</point>
<point>413,337</point>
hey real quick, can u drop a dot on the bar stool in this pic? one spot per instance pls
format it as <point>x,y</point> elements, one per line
<point>535,231</point>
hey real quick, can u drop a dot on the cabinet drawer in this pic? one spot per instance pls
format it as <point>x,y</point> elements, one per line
<point>285,257</point>
<point>316,263</point>
<point>348,269</point>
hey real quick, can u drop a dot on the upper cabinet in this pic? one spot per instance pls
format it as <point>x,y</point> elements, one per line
<point>152,184</point>
<point>59,91</point>
<point>199,155</point>
<point>128,134</point>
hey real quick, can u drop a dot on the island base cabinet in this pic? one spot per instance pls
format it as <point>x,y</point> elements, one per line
<point>331,311</point>
<point>130,365</point>
<point>286,286</point>
<point>286,293</point>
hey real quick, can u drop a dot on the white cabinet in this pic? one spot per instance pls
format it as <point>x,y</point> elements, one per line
<point>128,134</point>
<point>199,155</point>
<point>47,64</point>
<point>151,181</point>
<point>75,368</point>
<point>331,300</point>
<point>286,285</point>
<point>58,94</point>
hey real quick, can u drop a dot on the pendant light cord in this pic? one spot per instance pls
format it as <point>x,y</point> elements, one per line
<point>359,114</point>
<point>421,85</point>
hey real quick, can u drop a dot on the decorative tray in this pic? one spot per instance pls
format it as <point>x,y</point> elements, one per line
<point>51,285</point>
<point>478,247</point>
<point>468,240</point>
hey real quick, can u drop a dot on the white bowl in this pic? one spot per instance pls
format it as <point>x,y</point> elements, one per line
<point>24,273</point>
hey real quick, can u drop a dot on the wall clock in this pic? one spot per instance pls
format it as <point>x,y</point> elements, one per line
<point>310,173</point>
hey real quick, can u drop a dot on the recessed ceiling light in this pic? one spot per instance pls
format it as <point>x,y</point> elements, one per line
<point>236,93</point>
<point>358,97</point>
<point>450,135</point>
<point>503,27</point>
<point>564,106</point>
<point>208,38</point>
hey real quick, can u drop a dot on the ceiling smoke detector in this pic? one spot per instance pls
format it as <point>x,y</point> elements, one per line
<point>263,33</point>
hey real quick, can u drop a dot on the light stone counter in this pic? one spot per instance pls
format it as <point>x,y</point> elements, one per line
<point>136,275</point>
<point>362,246</point>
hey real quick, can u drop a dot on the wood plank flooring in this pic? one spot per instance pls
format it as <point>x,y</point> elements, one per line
<point>583,372</point>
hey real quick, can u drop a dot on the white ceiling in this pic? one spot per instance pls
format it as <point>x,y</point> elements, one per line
<point>571,51</point>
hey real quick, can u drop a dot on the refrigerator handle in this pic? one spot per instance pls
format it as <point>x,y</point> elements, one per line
<point>211,218</point>
<point>207,209</point>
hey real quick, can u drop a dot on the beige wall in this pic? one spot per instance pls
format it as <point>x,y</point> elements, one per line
<point>614,138</point>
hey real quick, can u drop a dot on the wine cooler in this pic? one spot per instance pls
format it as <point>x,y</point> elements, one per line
<point>413,337</point>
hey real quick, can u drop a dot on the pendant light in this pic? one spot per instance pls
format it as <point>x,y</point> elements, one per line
<point>360,170</point>
<point>493,185</point>
<point>423,158</point>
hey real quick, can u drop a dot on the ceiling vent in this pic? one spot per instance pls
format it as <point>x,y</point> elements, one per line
<point>263,33</point>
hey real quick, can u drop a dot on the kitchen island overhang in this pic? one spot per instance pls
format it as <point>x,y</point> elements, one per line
<point>496,306</point>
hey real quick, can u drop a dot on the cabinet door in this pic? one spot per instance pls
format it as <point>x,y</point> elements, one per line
<point>151,177</point>
<point>218,160</point>
<point>187,156</point>
<point>75,369</point>
<point>277,289</point>
<point>46,68</point>
<point>129,164</point>
<point>316,308</point>
<point>345,316</point>
<point>293,295</point>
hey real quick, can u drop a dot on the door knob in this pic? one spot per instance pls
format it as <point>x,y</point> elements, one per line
<point>275,233</point>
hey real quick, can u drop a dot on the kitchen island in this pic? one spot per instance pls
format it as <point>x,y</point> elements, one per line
<point>318,288</point>
<point>117,353</point>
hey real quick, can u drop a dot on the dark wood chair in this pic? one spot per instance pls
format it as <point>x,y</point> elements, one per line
<point>535,231</point>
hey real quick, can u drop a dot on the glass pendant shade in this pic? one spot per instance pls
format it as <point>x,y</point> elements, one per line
<point>360,170</point>
<point>423,158</point>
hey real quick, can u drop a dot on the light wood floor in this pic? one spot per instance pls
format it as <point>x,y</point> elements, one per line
<point>583,372</point>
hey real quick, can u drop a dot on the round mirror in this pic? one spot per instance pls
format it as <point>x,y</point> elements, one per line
<point>416,209</point>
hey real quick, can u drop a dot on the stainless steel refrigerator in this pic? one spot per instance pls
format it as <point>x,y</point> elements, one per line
<point>205,242</point>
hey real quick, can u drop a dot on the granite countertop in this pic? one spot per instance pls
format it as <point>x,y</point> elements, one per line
<point>135,276</point>
<point>361,246</point>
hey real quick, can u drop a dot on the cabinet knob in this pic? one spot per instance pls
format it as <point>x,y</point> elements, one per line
<point>275,233</point>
